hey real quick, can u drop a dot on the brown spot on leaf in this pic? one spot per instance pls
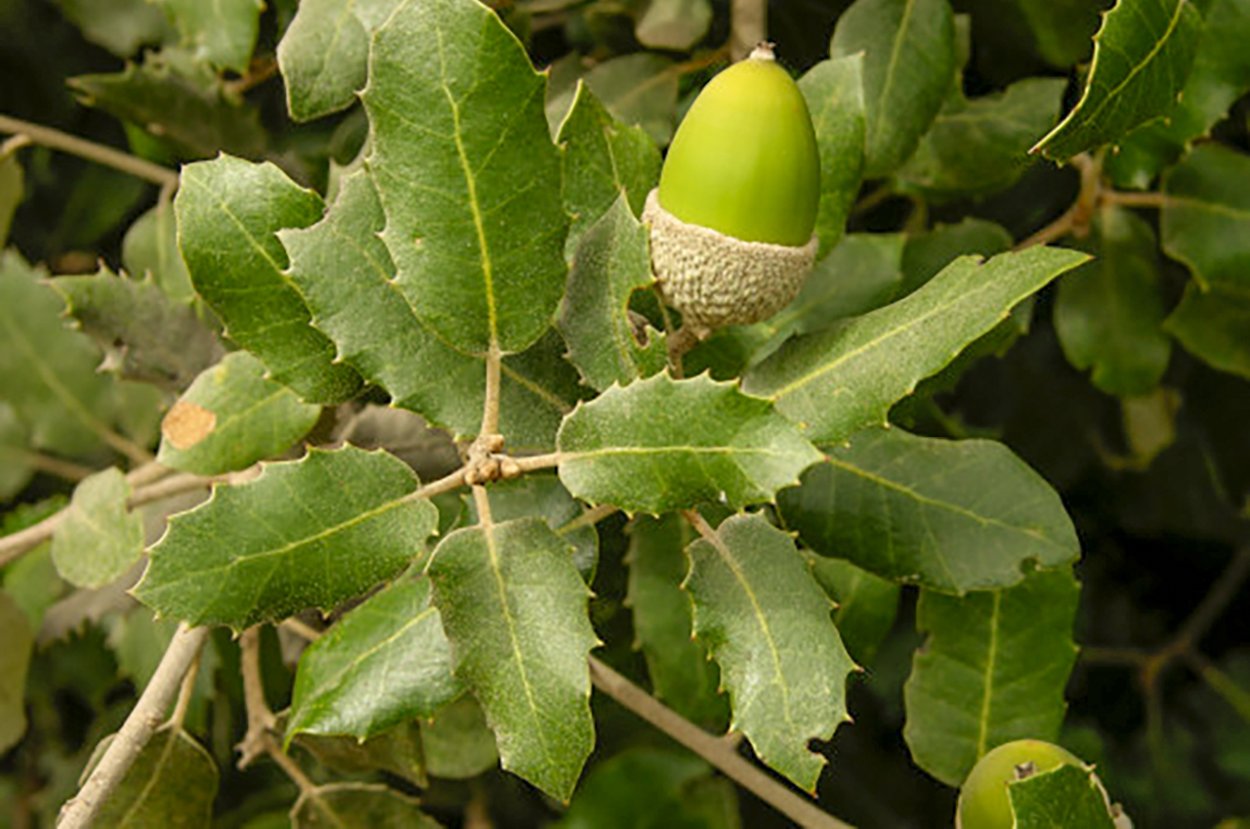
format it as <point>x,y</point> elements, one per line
<point>187,424</point>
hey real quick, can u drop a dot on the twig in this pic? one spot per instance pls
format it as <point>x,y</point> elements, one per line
<point>261,70</point>
<point>260,719</point>
<point>185,693</point>
<point>13,144</point>
<point>292,770</point>
<point>679,344</point>
<point>1216,601</point>
<point>300,629</point>
<point>715,750</point>
<point>148,713</point>
<point>1131,199</point>
<point>52,465</point>
<point>99,153</point>
<point>588,518</point>
<point>490,406</point>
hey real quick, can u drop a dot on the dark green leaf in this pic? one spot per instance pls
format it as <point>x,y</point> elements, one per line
<point>1067,796</point>
<point>172,783</point>
<point>150,249</point>
<point>99,538</point>
<point>397,751</point>
<point>1205,221</point>
<point>834,93</point>
<point>457,742</point>
<point>358,806</point>
<point>926,254</point>
<point>12,190</point>
<point>1212,326</point>
<point>14,661</point>
<point>15,459</point>
<point>121,26</point>
<point>222,32</point>
<point>640,787</point>
<point>866,604</point>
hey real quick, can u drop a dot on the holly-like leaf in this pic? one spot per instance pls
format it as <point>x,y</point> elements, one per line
<point>308,533</point>
<point>640,90</point>
<point>681,673</point>
<point>948,515</point>
<point>467,173</point>
<point>19,641</point>
<point>231,417</point>
<point>674,25</point>
<point>766,623</point>
<point>514,608</point>
<point>661,444</point>
<point>834,93</point>
<point>1212,326</point>
<point>150,250</point>
<point>222,33</point>
<point>866,604</point>
<point>99,538</point>
<point>229,211</point>
<point>384,662</point>
<point>1142,56</point>
<point>909,64</point>
<point>457,743</point>
<point>992,670</point>
<point>602,158</point>
<point>612,261</point>
<point>836,382</point>
<point>1064,796</point>
<point>1109,312</point>
<point>358,806</point>
<point>145,335</point>
<point>172,782</point>
<point>1205,221</point>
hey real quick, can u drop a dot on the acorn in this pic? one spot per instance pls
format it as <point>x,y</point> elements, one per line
<point>732,220</point>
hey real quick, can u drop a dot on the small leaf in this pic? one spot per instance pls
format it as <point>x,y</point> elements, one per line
<point>222,32</point>
<point>396,751</point>
<point>675,25</point>
<point>358,806</point>
<point>384,662</point>
<point>836,382</point>
<point>640,90</point>
<point>1212,326</point>
<point>229,211</point>
<point>1205,221</point>
<point>992,670</point>
<point>948,515</point>
<point>15,468</point>
<point>121,26</point>
<point>457,742</point>
<point>231,417</point>
<point>1065,796</point>
<point>909,64</point>
<point>639,787</point>
<point>866,604</point>
<point>834,93</point>
<point>19,642</point>
<point>467,174</point>
<point>766,622</point>
<point>1142,57</point>
<point>1109,312</point>
<point>12,190</point>
<point>514,608</point>
<point>661,444</point>
<point>613,260</point>
<point>308,533</point>
<point>150,249</point>
<point>99,538</point>
<point>925,254</point>
<point>172,782</point>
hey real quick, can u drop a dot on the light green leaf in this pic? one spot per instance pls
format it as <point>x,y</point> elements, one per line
<point>358,806</point>
<point>172,782</point>
<point>681,673</point>
<point>308,533</point>
<point>834,93</point>
<point>836,382</point>
<point>15,459</point>
<point>150,249</point>
<point>121,26</point>
<point>675,25</point>
<point>948,515</point>
<point>514,608</point>
<point>1066,796</point>
<point>222,32</point>
<point>866,604</point>
<point>99,538</point>
<point>909,64</point>
<point>397,751</point>
<point>457,743</point>
<point>12,191</point>
<point>229,211</point>
<point>992,670</point>
<point>1109,312</point>
<point>19,641</point>
<point>467,174</point>
<point>1205,221</point>
<point>612,261</point>
<point>602,157</point>
<point>661,444</point>
<point>1142,56</point>
<point>384,662</point>
<point>639,89</point>
<point>766,623</point>
<point>231,417</point>
<point>1212,326</point>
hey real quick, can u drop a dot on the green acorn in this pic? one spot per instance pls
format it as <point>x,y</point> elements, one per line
<point>732,219</point>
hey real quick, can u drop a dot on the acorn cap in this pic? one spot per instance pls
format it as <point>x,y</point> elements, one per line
<point>715,279</point>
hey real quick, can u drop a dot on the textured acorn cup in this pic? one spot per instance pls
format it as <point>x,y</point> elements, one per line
<point>731,222</point>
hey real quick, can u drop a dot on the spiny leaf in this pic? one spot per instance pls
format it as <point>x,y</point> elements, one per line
<point>172,783</point>
<point>1065,796</point>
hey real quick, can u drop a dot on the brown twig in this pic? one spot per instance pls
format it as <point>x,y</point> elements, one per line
<point>260,719</point>
<point>99,153</point>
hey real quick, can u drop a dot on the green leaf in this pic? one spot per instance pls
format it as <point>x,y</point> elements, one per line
<point>15,459</point>
<point>467,175</point>
<point>308,533</point>
<point>925,254</point>
<point>909,64</point>
<point>1205,221</point>
<point>1142,56</point>
<point>948,515</point>
<point>992,670</point>
<point>836,382</point>
<point>602,157</point>
<point>231,417</point>
<point>358,806</point>
<point>222,32</point>
<point>182,103</point>
<point>1109,312</point>
<point>514,608</point>
<point>640,90</point>
<point>980,146</point>
<point>1060,29</point>
<point>144,334</point>
<point>324,54</point>
<point>866,604</point>
<point>457,742</point>
<point>639,787</point>
<point>675,25</point>
<point>612,261</point>
<point>172,782</point>
<point>834,93</point>
<point>19,641</point>
<point>121,26</point>
<point>12,191</point>
<point>766,623</point>
<point>229,211</point>
<point>384,662</point>
<point>397,751</point>
<point>99,538</point>
<point>1212,326</point>
<point>1066,796</point>
<point>150,249</point>
<point>680,670</point>
<point>661,444</point>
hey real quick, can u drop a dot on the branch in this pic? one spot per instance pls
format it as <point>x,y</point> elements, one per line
<point>99,153</point>
<point>80,811</point>
<point>749,24</point>
<point>716,750</point>
<point>260,719</point>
